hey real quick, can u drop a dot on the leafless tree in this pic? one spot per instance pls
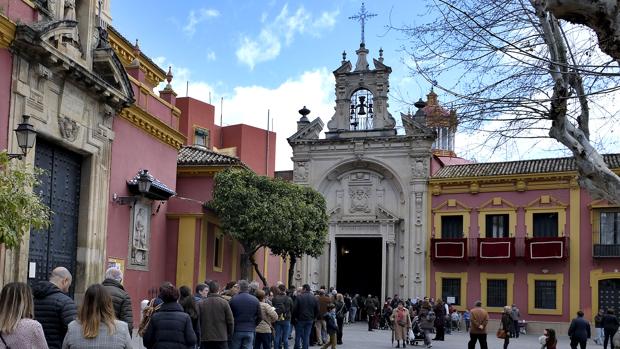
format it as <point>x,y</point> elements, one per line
<point>514,70</point>
<point>602,16</point>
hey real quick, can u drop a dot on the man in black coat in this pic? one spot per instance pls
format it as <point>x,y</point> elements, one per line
<point>305,311</point>
<point>247,315</point>
<point>53,308</point>
<point>579,331</point>
<point>120,298</point>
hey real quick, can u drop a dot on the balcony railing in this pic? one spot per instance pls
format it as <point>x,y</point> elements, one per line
<point>490,250</point>
<point>606,251</point>
<point>547,248</point>
<point>449,249</point>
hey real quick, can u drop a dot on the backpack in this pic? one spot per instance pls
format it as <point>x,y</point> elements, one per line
<point>280,310</point>
<point>430,316</point>
<point>147,313</point>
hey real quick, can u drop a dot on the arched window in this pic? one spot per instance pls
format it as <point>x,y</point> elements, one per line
<point>361,111</point>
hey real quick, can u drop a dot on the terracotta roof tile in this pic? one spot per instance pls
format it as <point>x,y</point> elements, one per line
<point>518,167</point>
<point>200,156</point>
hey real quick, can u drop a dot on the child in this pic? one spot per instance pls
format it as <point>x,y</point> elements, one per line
<point>332,327</point>
<point>466,318</point>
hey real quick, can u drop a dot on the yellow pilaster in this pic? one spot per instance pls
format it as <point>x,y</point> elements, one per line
<point>185,251</point>
<point>235,261</point>
<point>265,262</point>
<point>202,266</point>
<point>7,31</point>
<point>574,289</point>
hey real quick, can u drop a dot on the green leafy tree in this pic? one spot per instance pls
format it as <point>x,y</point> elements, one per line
<point>259,212</point>
<point>20,207</point>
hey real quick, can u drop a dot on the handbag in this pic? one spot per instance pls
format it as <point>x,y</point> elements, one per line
<point>501,333</point>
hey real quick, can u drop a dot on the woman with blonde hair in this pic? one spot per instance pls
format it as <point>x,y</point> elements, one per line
<point>17,328</point>
<point>96,325</point>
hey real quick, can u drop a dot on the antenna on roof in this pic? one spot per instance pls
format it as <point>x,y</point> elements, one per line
<point>209,97</point>
<point>187,88</point>
<point>221,118</point>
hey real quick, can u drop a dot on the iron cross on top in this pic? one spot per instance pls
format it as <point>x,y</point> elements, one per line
<point>362,16</point>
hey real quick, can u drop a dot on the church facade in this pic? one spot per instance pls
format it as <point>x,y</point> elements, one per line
<point>375,185</point>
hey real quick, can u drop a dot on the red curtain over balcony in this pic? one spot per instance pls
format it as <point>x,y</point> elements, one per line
<point>546,248</point>
<point>449,249</point>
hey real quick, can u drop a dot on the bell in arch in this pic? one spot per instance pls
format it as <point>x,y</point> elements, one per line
<point>361,106</point>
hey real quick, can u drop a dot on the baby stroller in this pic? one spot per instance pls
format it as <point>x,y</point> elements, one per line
<point>418,334</point>
<point>385,323</point>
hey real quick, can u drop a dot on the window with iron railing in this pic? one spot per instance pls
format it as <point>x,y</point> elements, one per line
<point>451,227</point>
<point>545,224</point>
<point>497,293</point>
<point>544,294</point>
<point>451,288</point>
<point>497,225</point>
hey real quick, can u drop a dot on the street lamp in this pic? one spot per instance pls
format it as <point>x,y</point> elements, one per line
<point>26,135</point>
<point>144,181</point>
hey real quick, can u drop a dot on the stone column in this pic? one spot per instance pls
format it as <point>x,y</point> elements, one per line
<point>417,247</point>
<point>392,264</point>
<point>383,267</point>
<point>332,262</point>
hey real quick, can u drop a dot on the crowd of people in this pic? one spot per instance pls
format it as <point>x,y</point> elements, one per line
<point>244,316</point>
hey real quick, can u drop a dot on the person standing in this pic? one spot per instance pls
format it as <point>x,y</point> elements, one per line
<point>331,327</point>
<point>220,325</point>
<point>467,319</point>
<point>305,311</point>
<point>53,308</point>
<point>353,309</point>
<point>120,298</point>
<point>96,325</point>
<point>284,308</point>
<point>319,324</point>
<point>170,326</point>
<point>515,314</point>
<point>16,324</point>
<point>247,315</point>
<point>440,318</point>
<point>186,299</point>
<point>598,318</point>
<point>341,311</point>
<point>548,339</point>
<point>263,329</point>
<point>402,323</point>
<point>371,309</point>
<point>507,325</point>
<point>202,291</point>
<point>579,331</point>
<point>478,331</point>
<point>427,321</point>
<point>610,326</point>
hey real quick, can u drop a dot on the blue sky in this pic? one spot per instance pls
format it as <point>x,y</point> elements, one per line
<point>279,56</point>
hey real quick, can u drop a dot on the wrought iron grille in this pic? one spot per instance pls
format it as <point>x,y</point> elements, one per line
<point>544,294</point>
<point>451,288</point>
<point>497,293</point>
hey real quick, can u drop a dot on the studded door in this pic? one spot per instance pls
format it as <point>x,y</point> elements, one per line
<point>60,190</point>
<point>609,294</point>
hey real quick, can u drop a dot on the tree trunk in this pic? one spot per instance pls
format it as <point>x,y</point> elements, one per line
<point>245,266</point>
<point>291,270</point>
<point>602,16</point>
<point>257,269</point>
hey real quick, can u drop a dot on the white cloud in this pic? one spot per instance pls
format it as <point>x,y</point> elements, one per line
<point>195,17</point>
<point>211,56</point>
<point>285,27</point>
<point>249,104</point>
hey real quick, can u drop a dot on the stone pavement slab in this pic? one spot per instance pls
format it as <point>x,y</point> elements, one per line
<point>357,336</point>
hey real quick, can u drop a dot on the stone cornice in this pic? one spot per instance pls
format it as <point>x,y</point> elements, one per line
<point>125,51</point>
<point>143,87</point>
<point>504,179</point>
<point>7,31</point>
<point>153,126</point>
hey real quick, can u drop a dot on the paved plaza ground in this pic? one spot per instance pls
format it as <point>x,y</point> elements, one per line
<point>357,336</point>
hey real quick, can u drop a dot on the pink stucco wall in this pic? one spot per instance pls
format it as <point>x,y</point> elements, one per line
<point>6,65</point>
<point>520,267</point>
<point>18,11</point>
<point>253,147</point>
<point>132,150</point>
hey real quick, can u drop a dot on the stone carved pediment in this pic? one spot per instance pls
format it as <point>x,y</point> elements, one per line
<point>414,128</point>
<point>344,68</point>
<point>311,131</point>
<point>380,66</point>
<point>49,43</point>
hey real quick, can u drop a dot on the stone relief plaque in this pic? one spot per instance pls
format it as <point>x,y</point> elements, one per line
<point>140,233</point>
<point>359,199</point>
<point>69,129</point>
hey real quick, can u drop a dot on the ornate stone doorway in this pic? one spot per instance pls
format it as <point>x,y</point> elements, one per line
<point>358,263</point>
